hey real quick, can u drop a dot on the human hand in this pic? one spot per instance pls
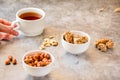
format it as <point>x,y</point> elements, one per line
<point>6,30</point>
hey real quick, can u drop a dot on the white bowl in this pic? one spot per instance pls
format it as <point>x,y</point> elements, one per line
<point>38,71</point>
<point>76,48</point>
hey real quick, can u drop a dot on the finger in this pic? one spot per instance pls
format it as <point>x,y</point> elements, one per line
<point>5,36</point>
<point>5,22</point>
<point>8,23</point>
<point>2,35</point>
<point>6,29</point>
<point>1,20</point>
<point>13,32</point>
<point>8,37</point>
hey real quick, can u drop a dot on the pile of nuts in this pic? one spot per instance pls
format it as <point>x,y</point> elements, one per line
<point>11,59</point>
<point>75,38</point>
<point>48,42</point>
<point>104,44</point>
<point>38,59</point>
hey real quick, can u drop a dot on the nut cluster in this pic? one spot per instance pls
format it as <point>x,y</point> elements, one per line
<point>104,44</point>
<point>11,59</point>
<point>38,59</point>
<point>75,38</point>
<point>48,42</point>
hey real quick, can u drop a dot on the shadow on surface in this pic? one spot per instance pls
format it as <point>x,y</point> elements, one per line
<point>47,77</point>
<point>76,55</point>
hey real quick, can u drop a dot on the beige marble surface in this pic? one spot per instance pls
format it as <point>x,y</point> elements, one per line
<point>61,16</point>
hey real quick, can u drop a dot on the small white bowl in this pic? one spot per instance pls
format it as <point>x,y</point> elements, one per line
<point>76,48</point>
<point>38,71</point>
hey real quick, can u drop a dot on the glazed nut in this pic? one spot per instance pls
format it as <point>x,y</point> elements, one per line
<point>54,43</point>
<point>47,56</point>
<point>38,64</point>
<point>77,41</point>
<point>44,60</point>
<point>14,61</point>
<point>102,47</point>
<point>84,39</point>
<point>41,57</point>
<point>68,37</point>
<point>42,63</point>
<point>36,56</point>
<point>10,57</point>
<point>26,60</point>
<point>110,44</point>
<point>7,62</point>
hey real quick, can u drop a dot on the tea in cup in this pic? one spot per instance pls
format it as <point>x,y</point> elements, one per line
<point>30,21</point>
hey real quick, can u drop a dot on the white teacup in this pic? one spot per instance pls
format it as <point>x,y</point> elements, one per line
<point>30,21</point>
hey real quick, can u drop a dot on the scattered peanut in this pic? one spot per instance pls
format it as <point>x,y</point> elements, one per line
<point>7,62</point>
<point>11,59</point>
<point>14,61</point>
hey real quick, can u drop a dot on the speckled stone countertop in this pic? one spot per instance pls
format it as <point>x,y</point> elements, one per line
<point>61,16</point>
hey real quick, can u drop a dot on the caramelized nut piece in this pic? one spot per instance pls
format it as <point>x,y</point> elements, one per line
<point>42,63</point>
<point>78,40</point>
<point>54,43</point>
<point>41,56</point>
<point>7,62</point>
<point>46,56</point>
<point>84,39</point>
<point>14,61</point>
<point>102,47</point>
<point>68,37</point>
<point>110,44</point>
<point>38,64</point>
<point>44,59</point>
<point>10,57</point>
<point>26,60</point>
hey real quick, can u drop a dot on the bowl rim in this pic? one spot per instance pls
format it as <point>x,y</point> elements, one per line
<point>29,52</point>
<point>86,34</point>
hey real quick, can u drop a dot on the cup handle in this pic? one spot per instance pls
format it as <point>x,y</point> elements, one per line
<point>17,23</point>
